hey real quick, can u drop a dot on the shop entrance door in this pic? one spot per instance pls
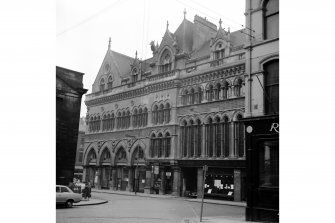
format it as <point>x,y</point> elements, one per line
<point>105,177</point>
<point>122,178</point>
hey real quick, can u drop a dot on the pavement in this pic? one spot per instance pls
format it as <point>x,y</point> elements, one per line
<point>215,219</point>
<point>91,201</point>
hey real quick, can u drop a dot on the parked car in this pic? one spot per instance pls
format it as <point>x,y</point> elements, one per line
<point>66,196</point>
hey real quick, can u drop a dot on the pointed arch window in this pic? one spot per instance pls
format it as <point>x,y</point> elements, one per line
<point>239,136</point>
<point>184,139</point>
<point>161,114</point>
<point>152,145</point>
<point>184,97</point>
<point>238,88</point>
<point>165,61</point>
<point>127,120</point>
<point>110,82</point>
<point>210,139</point>
<point>217,91</point>
<point>118,120</point>
<point>167,145</point>
<point>135,117</point>
<point>167,111</point>
<point>225,90</point>
<point>198,95</point>
<point>102,84</point>
<point>139,118</point>
<point>191,96</point>
<point>135,75</point>
<point>225,137</point>
<point>155,115</point>
<point>210,93</point>
<point>145,117</point>
<point>198,138</point>
<point>160,145</point>
<point>104,123</point>
<point>219,53</point>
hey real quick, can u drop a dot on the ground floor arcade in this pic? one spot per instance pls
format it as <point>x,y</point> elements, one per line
<point>225,179</point>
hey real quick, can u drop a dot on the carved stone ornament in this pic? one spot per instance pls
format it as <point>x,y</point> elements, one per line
<point>116,106</point>
<point>113,144</point>
<point>130,143</point>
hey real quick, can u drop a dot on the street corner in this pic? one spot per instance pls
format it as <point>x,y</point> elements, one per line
<point>90,202</point>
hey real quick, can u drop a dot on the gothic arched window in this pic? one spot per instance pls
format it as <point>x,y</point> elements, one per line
<point>239,136</point>
<point>139,118</point>
<point>135,118</point>
<point>102,84</point>
<point>183,138</point>
<point>167,111</point>
<point>145,117</point>
<point>225,136</point>
<point>210,93</point>
<point>165,62</point>
<point>110,82</point>
<point>118,120</point>
<point>217,130</point>
<point>155,115</point>
<point>160,145</point>
<point>184,97</point>
<point>112,121</point>
<point>167,144</point>
<point>198,138</point>
<point>161,114</point>
<point>152,145</point>
<point>191,96</point>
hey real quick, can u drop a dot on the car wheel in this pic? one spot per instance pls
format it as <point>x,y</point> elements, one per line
<point>69,204</point>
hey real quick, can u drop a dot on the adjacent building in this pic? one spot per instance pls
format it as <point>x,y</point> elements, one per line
<point>78,172</point>
<point>153,124</point>
<point>69,90</point>
<point>262,110</point>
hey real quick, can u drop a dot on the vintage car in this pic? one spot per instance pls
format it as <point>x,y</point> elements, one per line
<point>66,196</point>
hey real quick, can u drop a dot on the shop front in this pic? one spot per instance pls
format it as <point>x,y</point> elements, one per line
<point>162,178</point>
<point>225,179</point>
<point>262,143</point>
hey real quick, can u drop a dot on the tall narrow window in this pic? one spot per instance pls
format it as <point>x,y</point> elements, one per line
<point>161,114</point>
<point>167,112</point>
<point>184,97</point>
<point>225,90</point>
<point>217,91</point>
<point>128,119</point>
<point>152,145</point>
<point>198,138</point>
<point>112,121</point>
<point>238,87</point>
<point>110,82</point>
<point>271,19</point>
<point>145,117</point>
<point>102,84</point>
<point>218,137</point>
<point>155,115</point>
<point>167,145</point>
<point>210,93</point>
<point>271,85</point>
<point>135,118</point>
<point>160,145</point>
<point>225,136</point>
<point>118,121</point>
<point>139,118</point>
<point>184,138</point>
<point>192,96</point>
<point>191,138</point>
<point>239,134</point>
<point>210,137</point>
<point>135,75</point>
<point>165,61</point>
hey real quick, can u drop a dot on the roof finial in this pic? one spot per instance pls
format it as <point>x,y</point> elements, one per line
<point>136,54</point>
<point>184,13</point>
<point>109,43</point>
<point>167,25</point>
<point>220,22</point>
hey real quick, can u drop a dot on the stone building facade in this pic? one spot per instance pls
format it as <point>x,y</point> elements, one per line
<point>153,124</point>
<point>262,110</point>
<point>69,91</point>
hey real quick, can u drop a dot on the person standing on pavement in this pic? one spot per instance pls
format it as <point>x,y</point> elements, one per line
<point>89,190</point>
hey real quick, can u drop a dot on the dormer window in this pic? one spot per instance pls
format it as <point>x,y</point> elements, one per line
<point>102,84</point>
<point>219,51</point>
<point>110,82</point>
<point>135,75</point>
<point>165,62</point>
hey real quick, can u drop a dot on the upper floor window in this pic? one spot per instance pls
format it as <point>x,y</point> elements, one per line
<point>165,61</point>
<point>239,136</point>
<point>102,84</point>
<point>271,19</point>
<point>135,75</point>
<point>219,51</point>
<point>271,85</point>
<point>110,82</point>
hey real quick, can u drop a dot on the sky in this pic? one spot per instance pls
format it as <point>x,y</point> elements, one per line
<point>83,28</point>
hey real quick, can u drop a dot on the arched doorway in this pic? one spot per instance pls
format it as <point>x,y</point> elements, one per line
<point>105,161</point>
<point>91,167</point>
<point>139,168</point>
<point>122,170</point>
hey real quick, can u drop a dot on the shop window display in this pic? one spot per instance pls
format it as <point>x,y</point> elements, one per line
<point>219,184</point>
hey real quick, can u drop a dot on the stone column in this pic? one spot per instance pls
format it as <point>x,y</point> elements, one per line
<point>237,185</point>
<point>199,182</point>
<point>114,183</point>
<point>84,174</point>
<point>130,179</point>
<point>176,181</point>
